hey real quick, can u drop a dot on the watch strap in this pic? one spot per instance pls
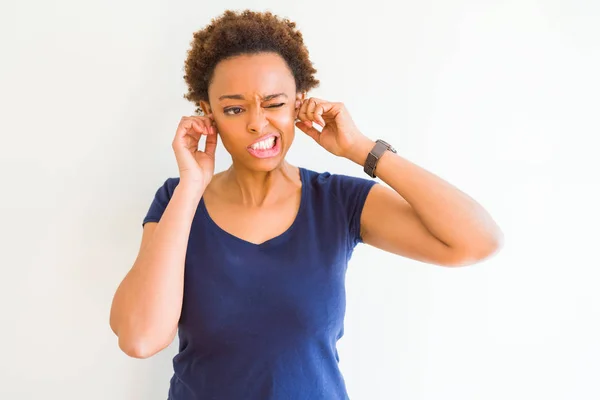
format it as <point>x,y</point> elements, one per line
<point>374,155</point>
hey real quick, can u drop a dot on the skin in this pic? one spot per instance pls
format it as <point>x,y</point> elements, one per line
<point>416,215</point>
<point>254,192</point>
<point>419,216</point>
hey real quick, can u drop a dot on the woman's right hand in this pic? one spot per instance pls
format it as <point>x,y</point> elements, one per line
<point>195,167</point>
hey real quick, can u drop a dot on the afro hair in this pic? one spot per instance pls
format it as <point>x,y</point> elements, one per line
<point>245,32</point>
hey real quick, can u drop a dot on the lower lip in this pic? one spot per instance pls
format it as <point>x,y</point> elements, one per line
<point>268,153</point>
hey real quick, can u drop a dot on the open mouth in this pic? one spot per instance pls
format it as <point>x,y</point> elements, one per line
<point>265,144</point>
<point>267,147</point>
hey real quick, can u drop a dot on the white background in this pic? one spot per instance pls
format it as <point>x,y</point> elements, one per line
<point>500,98</point>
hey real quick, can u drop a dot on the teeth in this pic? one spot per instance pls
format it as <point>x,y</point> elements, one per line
<point>264,144</point>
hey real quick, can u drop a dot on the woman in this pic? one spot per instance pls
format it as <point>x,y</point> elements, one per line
<point>248,265</point>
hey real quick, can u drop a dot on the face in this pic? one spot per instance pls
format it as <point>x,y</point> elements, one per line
<point>254,103</point>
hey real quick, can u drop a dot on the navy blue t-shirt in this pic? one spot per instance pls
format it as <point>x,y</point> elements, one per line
<point>261,321</point>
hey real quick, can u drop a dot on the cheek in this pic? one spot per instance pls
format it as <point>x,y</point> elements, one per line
<point>227,134</point>
<point>285,119</point>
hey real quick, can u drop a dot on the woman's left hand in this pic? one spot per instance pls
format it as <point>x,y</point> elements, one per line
<point>339,135</point>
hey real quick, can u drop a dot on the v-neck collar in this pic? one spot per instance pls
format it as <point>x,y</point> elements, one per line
<point>274,240</point>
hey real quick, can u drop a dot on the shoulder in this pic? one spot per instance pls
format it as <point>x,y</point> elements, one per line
<point>161,199</point>
<point>167,187</point>
<point>324,178</point>
<point>171,183</point>
<point>342,186</point>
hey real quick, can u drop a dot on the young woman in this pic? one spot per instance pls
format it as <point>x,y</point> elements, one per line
<point>248,265</point>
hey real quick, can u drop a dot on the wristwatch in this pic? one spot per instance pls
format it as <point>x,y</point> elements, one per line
<point>374,156</point>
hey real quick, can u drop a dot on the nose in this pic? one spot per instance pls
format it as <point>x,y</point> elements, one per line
<point>257,120</point>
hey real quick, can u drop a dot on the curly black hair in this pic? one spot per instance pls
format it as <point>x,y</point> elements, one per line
<point>245,32</point>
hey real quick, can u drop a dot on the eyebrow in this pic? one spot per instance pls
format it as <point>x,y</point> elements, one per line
<point>241,97</point>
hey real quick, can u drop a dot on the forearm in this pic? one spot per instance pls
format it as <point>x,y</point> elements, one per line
<point>449,214</point>
<point>147,305</point>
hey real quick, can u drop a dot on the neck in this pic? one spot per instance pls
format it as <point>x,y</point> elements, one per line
<point>258,188</point>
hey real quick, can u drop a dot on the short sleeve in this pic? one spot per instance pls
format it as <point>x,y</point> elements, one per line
<point>352,193</point>
<point>161,200</point>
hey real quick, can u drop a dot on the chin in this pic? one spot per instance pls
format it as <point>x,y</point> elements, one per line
<point>265,165</point>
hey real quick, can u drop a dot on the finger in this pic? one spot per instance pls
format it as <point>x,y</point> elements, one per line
<point>189,134</point>
<point>191,138</point>
<point>213,123</point>
<point>208,126</point>
<point>302,113</point>
<point>310,131</point>
<point>318,114</point>
<point>205,124</point>
<point>211,145</point>
<point>315,108</point>
<point>200,128</point>
<point>208,117</point>
<point>185,126</point>
<point>330,110</point>
<point>297,105</point>
<point>310,110</point>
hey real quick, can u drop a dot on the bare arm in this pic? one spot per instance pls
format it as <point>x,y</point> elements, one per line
<point>422,216</point>
<point>147,304</point>
<point>425,217</point>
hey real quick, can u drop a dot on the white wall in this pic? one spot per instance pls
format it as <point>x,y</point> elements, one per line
<point>499,98</point>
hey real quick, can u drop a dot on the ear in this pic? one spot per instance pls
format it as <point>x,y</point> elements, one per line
<point>205,105</point>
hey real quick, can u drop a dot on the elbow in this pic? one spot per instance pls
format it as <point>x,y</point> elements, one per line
<point>133,347</point>
<point>135,340</point>
<point>468,257</point>
<point>140,345</point>
<point>137,349</point>
<point>140,348</point>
